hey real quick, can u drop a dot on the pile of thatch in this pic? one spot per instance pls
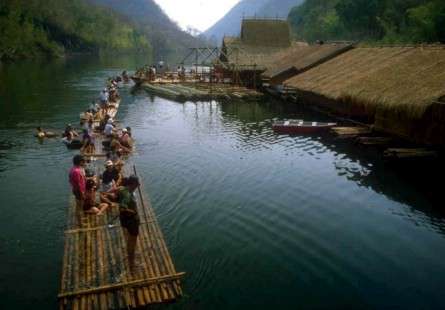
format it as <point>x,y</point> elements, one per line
<point>397,85</point>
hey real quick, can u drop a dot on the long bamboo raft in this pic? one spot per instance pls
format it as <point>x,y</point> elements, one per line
<point>96,274</point>
<point>200,91</point>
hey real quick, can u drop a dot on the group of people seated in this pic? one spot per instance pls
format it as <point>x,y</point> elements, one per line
<point>95,194</point>
<point>97,113</point>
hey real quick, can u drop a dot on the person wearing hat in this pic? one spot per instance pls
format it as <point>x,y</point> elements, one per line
<point>77,179</point>
<point>111,180</point>
<point>108,130</point>
<point>110,177</point>
<point>104,96</point>
<point>125,139</point>
<point>128,215</point>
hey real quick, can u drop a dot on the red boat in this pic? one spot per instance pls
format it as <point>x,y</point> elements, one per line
<point>301,127</point>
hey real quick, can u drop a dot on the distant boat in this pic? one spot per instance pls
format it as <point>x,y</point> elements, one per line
<point>301,127</point>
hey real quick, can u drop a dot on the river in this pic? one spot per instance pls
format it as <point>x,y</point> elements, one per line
<point>257,220</point>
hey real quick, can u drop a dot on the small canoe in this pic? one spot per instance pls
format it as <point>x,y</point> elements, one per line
<point>301,127</point>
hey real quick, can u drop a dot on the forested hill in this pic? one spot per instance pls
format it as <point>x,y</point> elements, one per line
<point>30,28</point>
<point>165,36</point>
<point>385,21</point>
<point>230,24</point>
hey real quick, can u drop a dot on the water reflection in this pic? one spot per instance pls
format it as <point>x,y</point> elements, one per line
<point>256,219</point>
<point>251,124</point>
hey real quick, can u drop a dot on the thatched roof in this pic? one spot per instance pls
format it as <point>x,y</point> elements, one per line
<point>245,55</point>
<point>265,33</point>
<point>300,58</point>
<point>400,80</point>
<point>260,41</point>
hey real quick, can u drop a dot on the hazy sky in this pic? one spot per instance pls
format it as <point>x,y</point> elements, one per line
<point>200,14</point>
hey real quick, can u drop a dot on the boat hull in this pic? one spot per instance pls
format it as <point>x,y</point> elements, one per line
<point>303,128</point>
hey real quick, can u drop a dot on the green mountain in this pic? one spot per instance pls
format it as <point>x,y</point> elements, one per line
<point>230,24</point>
<point>387,21</point>
<point>30,28</point>
<point>166,37</point>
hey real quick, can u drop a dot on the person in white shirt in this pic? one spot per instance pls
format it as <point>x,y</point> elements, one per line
<point>104,96</point>
<point>108,130</point>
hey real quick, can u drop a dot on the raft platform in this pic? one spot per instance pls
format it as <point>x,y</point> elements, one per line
<point>201,91</point>
<point>96,273</point>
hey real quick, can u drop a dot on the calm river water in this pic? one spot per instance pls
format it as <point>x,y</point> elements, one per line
<point>257,220</point>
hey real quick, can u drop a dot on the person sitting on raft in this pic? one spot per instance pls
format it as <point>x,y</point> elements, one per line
<point>116,146</point>
<point>103,97</point>
<point>125,139</point>
<point>90,205</point>
<point>68,138</point>
<point>111,178</point>
<point>77,179</point>
<point>125,76</point>
<point>88,149</point>
<point>109,128</point>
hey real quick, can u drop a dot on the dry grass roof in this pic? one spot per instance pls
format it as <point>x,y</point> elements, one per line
<point>302,57</point>
<point>398,79</point>
<point>244,55</point>
<point>265,33</point>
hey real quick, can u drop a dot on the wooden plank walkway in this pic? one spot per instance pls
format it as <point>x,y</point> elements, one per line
<point>96,274</point>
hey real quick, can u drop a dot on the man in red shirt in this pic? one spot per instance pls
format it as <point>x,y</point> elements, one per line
<point>78,180</point>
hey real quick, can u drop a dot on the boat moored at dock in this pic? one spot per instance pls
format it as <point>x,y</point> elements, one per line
<point>301,127</point>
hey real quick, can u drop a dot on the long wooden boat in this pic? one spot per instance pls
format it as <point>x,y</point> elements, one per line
<point>301,127</point>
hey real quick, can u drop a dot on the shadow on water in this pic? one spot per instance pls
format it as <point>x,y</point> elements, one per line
<point>363,165</point>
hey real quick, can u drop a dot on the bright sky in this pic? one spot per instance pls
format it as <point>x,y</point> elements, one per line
<point>199,14</point>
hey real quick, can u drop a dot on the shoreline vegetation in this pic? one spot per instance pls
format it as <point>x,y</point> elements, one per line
<point>371,21</point>
<point>56,28</point>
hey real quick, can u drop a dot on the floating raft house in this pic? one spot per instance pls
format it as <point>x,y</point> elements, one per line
<point>95,272</point>
<point>398,88</point>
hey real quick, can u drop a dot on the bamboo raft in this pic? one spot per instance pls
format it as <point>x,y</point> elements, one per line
<point>201,91</point>
<point>96,273</point>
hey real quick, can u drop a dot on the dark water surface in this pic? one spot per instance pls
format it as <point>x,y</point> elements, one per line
<point>257,220</point>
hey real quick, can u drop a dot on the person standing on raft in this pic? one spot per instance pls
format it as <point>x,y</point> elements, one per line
<point>128,216</point>
<point>78,180</point>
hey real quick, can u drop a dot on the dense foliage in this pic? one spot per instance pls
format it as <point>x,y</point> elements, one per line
<point>388,21</point>
<point>30,28</point>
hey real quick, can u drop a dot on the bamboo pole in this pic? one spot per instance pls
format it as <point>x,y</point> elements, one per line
<point>155,260</point>
<point>113,263</point>
<point>113,287</point>
<point>103,269</point>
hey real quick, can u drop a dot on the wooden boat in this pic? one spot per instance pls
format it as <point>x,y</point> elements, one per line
<point>301,127</point>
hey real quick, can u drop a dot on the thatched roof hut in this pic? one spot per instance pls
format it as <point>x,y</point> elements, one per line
<point>399,87</point>
<point>265,33</point>
<point>260,39</point>
<point>300,58</point>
